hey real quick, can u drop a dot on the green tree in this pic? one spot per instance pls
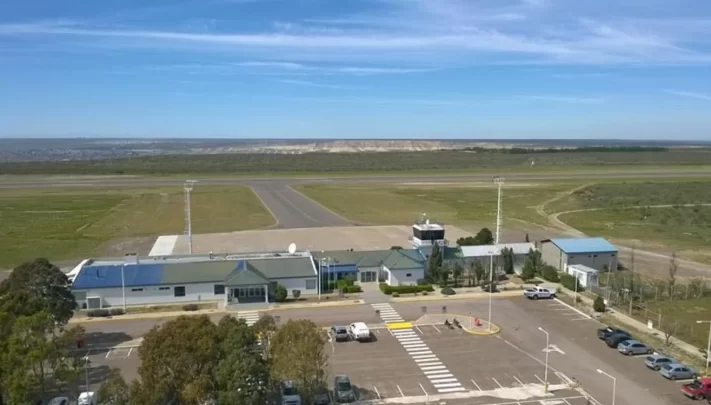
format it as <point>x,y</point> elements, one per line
<point>114,389</point>
<point>178,362</point>
<point>509,259</point>
<point>479,272</point>
<point>527,238</point>
<point>31,348</point>
<point>484,237</point>
<point>242,373</point>
<point>38,286</point>
<point>281,293</point>
<point>298,353</point>
<point>457,272</point>
<point>444,274</point>
<point>434,264</point>
<point>599,304</point>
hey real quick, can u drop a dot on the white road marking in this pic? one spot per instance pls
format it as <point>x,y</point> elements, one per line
<point>408,339</point>
<point>497,383</point>
<point>108,353</point>
<point>421,351</point>
<point>433,358</point>
<point>419,330</point>
<point>423,390</point>
<point>432,368</point>
<point>429,374</point>
<point>574,309</point>
<point>445,390</point>
<point>519,381</point>
<point>434,376</point>
<point>413,346</point>
<point>376,391</point>
<point>432,363</point>
<point>416,349</point>
<point>443,380</point>
<point>424,356</point>
<point>249,317</point>
<point>129,352</point>
<point>398,388</point>
<point>539,379</point>
<point>476,385</point>
<point>436,329</point>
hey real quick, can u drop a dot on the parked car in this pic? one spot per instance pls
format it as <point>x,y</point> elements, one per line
<point>535,293</point>
<point>88,398</point>
<point>698,389</point>
<point>630,347</point>
<point>676,371</point>
<point>59,401</point>
<point>322,396</point>
<point>289,393</point>
<point>656,361</point>
<point>340,333</point>
<point>359,331</point>
<point>616,339</point>
<point>604,333</point>
<point>343,390</point>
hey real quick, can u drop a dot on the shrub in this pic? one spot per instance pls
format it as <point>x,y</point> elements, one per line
<point>489,287</point>
<point>425,293</point>
<point>352,289</point>
<point>422,281</point>
<point>280,294</point>
<point>116,311</point>
<point>549,273</point>
<point>448,291</point>
<point>190,307</point>
<point>599,304</point>
<point>296,294</point>
<point>98,313</point>
<point>569,282</point>
<point>405,289</point>
<point>395,294</point>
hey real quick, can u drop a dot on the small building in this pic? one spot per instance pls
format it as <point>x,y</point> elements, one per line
<point>587,277</point>
<point>228,279</point>
<point>596,253</point>
<point>395,267</point>
<point>483,253</point>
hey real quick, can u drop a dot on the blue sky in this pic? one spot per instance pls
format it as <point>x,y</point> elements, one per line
<point>633,69</point>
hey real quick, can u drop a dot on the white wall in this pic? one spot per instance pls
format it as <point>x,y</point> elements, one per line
<point>400,277</point>
<point>597,261</point>
<point>364,269</point>
<point>151,295</point>
<point>298,284</point>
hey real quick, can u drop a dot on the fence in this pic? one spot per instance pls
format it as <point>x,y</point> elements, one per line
<point>648,299</point>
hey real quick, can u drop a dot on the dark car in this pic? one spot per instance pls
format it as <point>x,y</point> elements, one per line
<point>340,333</point>
<point>614,340</point>
<point>604,333</point>
<point>322,396</point>
<point>343,390</point>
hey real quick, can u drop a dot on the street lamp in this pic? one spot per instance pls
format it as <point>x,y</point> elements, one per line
<point>708,348</point>
<point>614,384</point>
<point>545,373</point>
<point>499,181</point>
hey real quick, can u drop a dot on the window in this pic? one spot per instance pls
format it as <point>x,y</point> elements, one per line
<point>219,289</point>
<point>408,275</point>
<point>136,289</point>
<point>310,284</point>
<point>179,291</point>
<point>163,288</point>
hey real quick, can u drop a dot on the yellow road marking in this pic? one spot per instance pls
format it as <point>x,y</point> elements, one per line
<point>399,325</point>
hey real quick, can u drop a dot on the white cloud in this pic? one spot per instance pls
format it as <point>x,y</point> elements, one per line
<point>690,94</point>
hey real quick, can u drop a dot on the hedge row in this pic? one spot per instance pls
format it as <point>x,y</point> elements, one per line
<point>405,289</point>
<point>350,289</point>
<point>549,273</point>
<point>569,282</point>
<point>104,312</point>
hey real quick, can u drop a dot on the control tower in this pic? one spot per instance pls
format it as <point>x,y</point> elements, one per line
<point>426,233</point>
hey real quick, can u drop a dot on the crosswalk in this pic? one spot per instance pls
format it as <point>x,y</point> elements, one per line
<point>435,371</point>
<point>387,313</point>
<point>250,317</point>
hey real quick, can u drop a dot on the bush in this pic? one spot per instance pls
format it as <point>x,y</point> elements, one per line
<point>296,294</point>
<point>280,294</point>
<point>425,293</point>
<point>448,291</point>
<point>116,311</point>
<point>350,289</point>
<point>98,313</point>
<point>395,294</point>
<point>569,282</point>
<point>345,282</point>
<point>599,304</point>
<point>489,287</point>
<point>190,307</point>
<point>422,281</point>
<point>549,273</point>
<point>405,289</point>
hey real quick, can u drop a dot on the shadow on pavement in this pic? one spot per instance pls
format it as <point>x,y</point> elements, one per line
<point>103,339</point>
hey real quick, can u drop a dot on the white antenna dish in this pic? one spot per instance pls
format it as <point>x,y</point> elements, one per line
<point>427,222</point>
<point>292,248</point>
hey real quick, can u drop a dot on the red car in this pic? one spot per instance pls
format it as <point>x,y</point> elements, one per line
<point>698,389</point>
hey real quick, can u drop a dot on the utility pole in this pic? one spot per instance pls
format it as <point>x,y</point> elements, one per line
<point>188,187</point>
<point>499,181</point>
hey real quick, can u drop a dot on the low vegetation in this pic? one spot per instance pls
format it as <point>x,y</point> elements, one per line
<point>77,223</point>
<point>405,289</point>
<point>446,160</point>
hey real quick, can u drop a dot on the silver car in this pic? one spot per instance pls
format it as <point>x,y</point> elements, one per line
<point>678,372</point>
<point>630,347</point>
<point>656,361</point>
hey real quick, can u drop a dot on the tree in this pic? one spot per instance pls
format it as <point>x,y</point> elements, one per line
<point>599,304</point>
<point>114,389</point>
<point>457,274</point>
<point>30,344</point>
<point>509,259</point>
<point>484,237</point>
<point>532,265</point>
<point>479,272</point>
<point>527,238</point>
<point>434,264</point>
<point>673,268</point>
<point>298,353</point>
<point>528,272</point>
<point>296,294</point>
<point>38,286</point>
<point>669,329</point>
<point>444,274</point>
<point>242,374</point>
<point>281,293</point>
<point>178,362</point>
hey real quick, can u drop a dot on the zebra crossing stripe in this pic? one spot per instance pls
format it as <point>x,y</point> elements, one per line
<point>447,385</point>
<point>443,380</point>
<point>433,368</point>
<point>426,359</point>
<point>437,373</point>
<point>432,363</point>
<point>442,375</point>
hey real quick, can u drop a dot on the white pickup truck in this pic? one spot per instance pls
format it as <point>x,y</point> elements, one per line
<point>535,293</point>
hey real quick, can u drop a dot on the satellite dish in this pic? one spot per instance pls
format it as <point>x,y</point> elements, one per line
<point>292,248</point>
<point>427,222</point>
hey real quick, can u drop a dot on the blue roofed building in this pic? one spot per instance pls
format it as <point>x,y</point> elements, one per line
<point>229,279</point>
<point>595,253</point>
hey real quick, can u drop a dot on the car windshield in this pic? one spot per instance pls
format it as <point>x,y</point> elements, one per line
<point>695,384</point>
<point>288,391</point>
<point>626,343</point>
<point>667,366</point>
<point>343,385</point>
<point>340,330</point>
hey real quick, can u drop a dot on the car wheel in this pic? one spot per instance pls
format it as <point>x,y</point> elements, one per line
<point>673,377</point>
<point>535,297</point>
<point>552,296</point>
<point>694,376</point>
<point>698,397</point>
<point>656,368</point>
<point>650,351</point>
<point>629,353</point>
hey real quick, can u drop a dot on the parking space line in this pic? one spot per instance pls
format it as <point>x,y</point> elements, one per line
<point>86,356</point>
<point>519,381</point>
<point>377,392</point>
<point>539,379</point>
<point>398,388</point>
<point>574,309</point>
<point>476,385</point>
<point>423,390</point>
<point>131,349</point>
<point>419,330</point>
<point>497,383</point>
<point>108,353</point>
<point>436,329</point>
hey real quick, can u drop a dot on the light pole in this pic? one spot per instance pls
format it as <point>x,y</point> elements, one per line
<point>708,348</point>
<point>545,373</point>
<point>188,187</point>
<point>614,384</point>
<point>320,264</point>
<point>499,181</point>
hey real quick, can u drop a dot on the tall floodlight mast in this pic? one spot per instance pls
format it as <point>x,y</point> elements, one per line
<point>188,187</point>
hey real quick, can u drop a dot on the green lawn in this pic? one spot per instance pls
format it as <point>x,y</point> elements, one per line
<point>401,204</point>
<point>685,313</point>
<point>75,223</point>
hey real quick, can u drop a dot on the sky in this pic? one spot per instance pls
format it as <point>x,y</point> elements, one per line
<point>469,69</point>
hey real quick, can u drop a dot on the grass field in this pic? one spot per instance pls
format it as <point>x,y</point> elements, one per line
<point>401,204</point>
<point>77,223</point>
<point>685,313</point>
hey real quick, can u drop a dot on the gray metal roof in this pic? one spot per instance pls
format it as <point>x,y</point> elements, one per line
<point>367,258</point>
<point>404,259</point>
<point>288,267</point>
<point>246,275</point>
<point>197,272</point>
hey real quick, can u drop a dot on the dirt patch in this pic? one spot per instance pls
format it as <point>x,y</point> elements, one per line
<point>119,247</point>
